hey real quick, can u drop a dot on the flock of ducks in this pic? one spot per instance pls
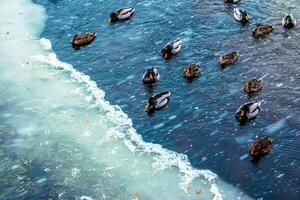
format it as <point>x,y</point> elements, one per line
<point>245,112</point>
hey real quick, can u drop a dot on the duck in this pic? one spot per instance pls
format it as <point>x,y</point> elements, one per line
<point>253,85</point>
<point>248,111</point>
<point>232,1</point>
<point>261,31</point>
<point>191,71</point>
<point>229,58</point>
<point>151,76</point>
<point>261,147</point>
<point>289,21</point>
<point>158,101</point>
<point>121,14</point>
<point>82,39</point>
<point>240,15</point>
<point>171,49</point>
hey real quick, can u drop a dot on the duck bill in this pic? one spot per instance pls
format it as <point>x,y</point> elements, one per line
<point>242,113</point>
<point>147,106</point>
<point>109,20</point>
<point>151,77</point>
<point>247,18</point>
<point>165,56</point>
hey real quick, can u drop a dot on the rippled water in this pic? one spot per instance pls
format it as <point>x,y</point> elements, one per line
<point>199,120</point>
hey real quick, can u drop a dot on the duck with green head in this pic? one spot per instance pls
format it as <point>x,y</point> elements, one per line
<point>121,14</point>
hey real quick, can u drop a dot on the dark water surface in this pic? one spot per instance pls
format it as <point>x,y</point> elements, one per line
<point>199,120</point>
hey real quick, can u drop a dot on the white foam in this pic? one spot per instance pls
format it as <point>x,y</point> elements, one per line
<point>162,158</point>
<point>46,43</point>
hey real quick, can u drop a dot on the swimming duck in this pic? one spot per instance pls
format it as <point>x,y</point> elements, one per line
<point>253,85</point>
<point>232,1</point>
<point>151,76</point>
<point>248,111</point>
<point>82,39</point>
<point>171,49</point>
<point>261,31</point>
<point>191,71</point>
<point>240,15</point>
<point>157,101</point>
<point>229,58</point>
<point>121,14</point>
<point>260,147</point>
<point>289,21</point>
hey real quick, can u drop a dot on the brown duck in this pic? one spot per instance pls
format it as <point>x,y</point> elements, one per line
<point>261,31</point>
<point>261,147</point>
<point>191,71</point>
<point>82,39</point>
<point>253,85</point>
<point>229,58</point>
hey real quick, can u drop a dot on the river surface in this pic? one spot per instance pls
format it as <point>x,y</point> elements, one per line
<point>60,139</point>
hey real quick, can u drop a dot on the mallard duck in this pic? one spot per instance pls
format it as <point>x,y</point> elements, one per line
<point>82,39</point>
<point>248,111</point>
<point>240,15</point>
<point>261,146</point>
<point>157,101</point>
<point>289,21</point>
<point>121,14</point>
<point>151,76</point>
<point>261,31</point>
<point>171,49</point>
<point>232,1</point>
<point>191,71</point>
<point>229,58</point>
<point>253,85</point>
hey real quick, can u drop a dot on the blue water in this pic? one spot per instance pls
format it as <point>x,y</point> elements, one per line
<point>199,120</point>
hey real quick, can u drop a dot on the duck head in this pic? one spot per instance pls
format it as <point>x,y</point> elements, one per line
<point>247,88</point>
<point>188,73</point>
<point>150,105</point>
<point>245,15</point>
<point>153,74</point>
<point>241,116</point>
<point>288,21</point>
<point>113,18</point>
<point>166,52</point>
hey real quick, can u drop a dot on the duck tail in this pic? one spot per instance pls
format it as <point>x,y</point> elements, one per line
<point>259,105</point>
<point>178,40</point>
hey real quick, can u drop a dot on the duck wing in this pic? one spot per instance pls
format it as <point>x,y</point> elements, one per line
<point>162,95</point>
<point>177,43</point>
<point>231,55</point>
<point>124,13</point>
<point>253,106</point>
<point>237,14</point>
<point>176,46</point>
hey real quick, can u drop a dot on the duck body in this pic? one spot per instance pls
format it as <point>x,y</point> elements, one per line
<point>191,71</point>
<point>248,111</point>
<point>241,15</point>
<point>261,147</point>
<point>261,31</point>
<point>253,85</point>
<point>121,14</point>
<point>151,76</point>
<point>289,21</point>
<point>171,49</point>
<point>229,58</point>
<point>232,1</point>
<point>158,101</point>
<point>82,39</point>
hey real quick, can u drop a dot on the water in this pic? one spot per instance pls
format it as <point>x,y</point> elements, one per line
<point>54,144</point>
